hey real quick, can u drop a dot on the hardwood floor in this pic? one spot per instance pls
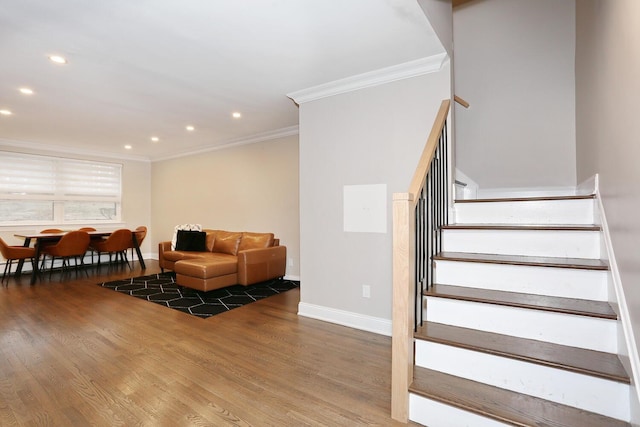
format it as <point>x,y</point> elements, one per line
<point>75,354</point>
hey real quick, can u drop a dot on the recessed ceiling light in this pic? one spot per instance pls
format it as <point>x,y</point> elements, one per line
<point>26,91</point>
<point>236,115</point>
<point>190,128</point>
<point>128,147</point>
<point>57,59</point>
<point>155,139</point>
<point>6,112</point>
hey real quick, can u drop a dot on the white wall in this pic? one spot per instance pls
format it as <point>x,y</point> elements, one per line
<point>608,127</point>
<point>368,136</point>
<point>514,63</point>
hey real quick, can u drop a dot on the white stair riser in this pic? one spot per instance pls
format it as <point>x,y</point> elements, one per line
<point>435,414</point>
<point>598,395</point>
<point>559,282</point>
<point>532,212</point>
<point>576,331</point>
<point>546,243</point>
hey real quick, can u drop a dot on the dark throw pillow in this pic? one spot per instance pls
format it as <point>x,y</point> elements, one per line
<point>191,241</point>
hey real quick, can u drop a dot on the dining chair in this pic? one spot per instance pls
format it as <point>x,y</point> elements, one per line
<point>44,244</point>
<point>73,244</point>
<point>117,243</point>
<point>15,253</point>
<point>140,233</point>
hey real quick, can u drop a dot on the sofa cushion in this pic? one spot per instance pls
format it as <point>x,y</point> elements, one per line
<point>191,241</point>
<point>211,237</point>
<point>208,266</point>
<point>174,256</point>
<point>227,242</point>
<point>255,241</point>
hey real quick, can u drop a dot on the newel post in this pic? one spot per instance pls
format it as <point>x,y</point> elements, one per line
<point>403,311</point>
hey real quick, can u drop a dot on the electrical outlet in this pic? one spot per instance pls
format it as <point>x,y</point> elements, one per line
<point>366,291</point>
<point>290,262</point>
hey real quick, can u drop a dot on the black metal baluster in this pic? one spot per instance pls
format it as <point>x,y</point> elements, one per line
<point>432,212</point>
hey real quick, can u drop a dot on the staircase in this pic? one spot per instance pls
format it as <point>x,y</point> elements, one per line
<point>520,327</point>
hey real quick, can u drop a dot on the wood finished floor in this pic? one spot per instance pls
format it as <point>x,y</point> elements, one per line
<point>75,354</point>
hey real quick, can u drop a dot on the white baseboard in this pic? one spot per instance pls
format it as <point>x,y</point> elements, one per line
<point>291,277</point>
<point>631,349</point>
<point>346,318</point>
<point>588,186</point>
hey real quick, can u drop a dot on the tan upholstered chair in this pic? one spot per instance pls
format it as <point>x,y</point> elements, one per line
<point>44,243</point>
<point>15,253</point>
<point>74,244</point>
<point>117,243</point>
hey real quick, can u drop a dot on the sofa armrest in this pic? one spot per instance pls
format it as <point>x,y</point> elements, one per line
<point>258,265</point>
<point>162,247</point>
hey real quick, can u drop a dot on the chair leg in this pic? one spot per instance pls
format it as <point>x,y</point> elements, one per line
<point>7,267</point>
<point>51,269</point>
<point>124,255</point>
<point>82,265</point>
<point>34,263</point>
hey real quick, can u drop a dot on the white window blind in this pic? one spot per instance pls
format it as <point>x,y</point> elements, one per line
<point>41,189</point>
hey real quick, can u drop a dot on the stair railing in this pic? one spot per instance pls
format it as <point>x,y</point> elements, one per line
<point>417,217</point>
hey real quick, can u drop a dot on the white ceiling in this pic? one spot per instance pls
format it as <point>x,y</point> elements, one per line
<point>142,68</point>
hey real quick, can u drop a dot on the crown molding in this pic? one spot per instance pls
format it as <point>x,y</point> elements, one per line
<point>405,70</point>
<point>251,139</point>
<point>61,149</point>
<point>236,142</point>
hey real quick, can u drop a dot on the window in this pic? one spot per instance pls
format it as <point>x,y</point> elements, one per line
<point>54,190</point>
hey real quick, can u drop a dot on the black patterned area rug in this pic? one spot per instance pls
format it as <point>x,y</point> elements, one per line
<point>163,289</point>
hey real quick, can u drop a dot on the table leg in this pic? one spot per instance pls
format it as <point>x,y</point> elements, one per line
<point>27,242</point>
<point>36,262</point>
<point>137,248</point>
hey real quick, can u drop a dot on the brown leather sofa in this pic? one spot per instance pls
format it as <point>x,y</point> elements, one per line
<point>230,258</point>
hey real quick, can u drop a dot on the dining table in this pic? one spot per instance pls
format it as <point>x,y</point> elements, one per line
<point>39,238</point>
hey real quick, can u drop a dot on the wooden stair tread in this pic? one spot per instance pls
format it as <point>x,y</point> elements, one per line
<point>600,309</point>
<point>527,199</point>
<point>518,227</point>
<point>588,362</point>
<point>503,405</point>
<point>577,263</point>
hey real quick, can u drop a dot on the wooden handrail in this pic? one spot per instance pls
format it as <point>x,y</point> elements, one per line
<point>404,267</point>
<point>461,101</point>
<point>429,149</point>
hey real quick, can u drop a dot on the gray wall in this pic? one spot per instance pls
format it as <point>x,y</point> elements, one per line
<point>440,16</point>
<point>608,125</point>
<point>514,63</point>
<point>368,136</point>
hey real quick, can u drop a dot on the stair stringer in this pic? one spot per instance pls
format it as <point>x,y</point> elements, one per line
<point>627,346</point>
